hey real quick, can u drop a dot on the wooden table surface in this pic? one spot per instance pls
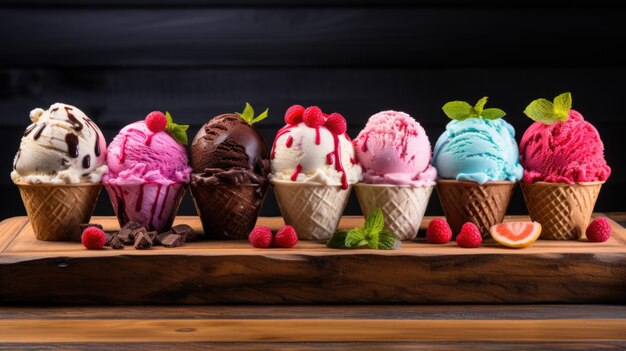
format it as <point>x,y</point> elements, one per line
<point>370,327</point>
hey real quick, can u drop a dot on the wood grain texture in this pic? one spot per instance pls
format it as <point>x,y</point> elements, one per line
<point>285,36</point>
<point>338,330</point>
<point>234,272</point>
<point>310,346</point>
<point>386,312</point>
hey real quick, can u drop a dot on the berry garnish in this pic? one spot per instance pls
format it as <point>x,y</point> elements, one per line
<point>156,121</point>
<point>469,236</point>
<point>260,237</point>
<point>286,237</point>
<point>336,123</point>
<point>438,231</point>
<point>294,114</point>
<point>93,238</point>
<point>313,117</point>
<point>599,230</point>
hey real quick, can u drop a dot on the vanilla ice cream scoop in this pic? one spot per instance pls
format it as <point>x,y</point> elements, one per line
<point>61,146</point>
<point>314,155</point>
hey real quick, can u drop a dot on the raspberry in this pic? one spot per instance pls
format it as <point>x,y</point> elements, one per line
<point>438,231</point>
<point>93,238</point>
<point>336,123</point>
<point>469,236</point>
<point>294,114</point>
<point>286,237</point>
<point>260,237</point>
<point>599,230</point>
<point>156,122</point>
<point>313,117</point>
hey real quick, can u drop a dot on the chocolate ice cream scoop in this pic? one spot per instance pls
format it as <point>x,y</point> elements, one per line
<point>228,150</point>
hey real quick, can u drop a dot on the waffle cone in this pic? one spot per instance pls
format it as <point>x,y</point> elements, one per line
<point>228,211</point>
<point>313,210</point>
<point>55,211</point>
<point>402,206</point>
<point>563,210</point>
<point>483,205</point>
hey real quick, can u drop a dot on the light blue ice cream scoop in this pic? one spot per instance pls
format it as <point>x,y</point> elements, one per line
<point>478,150</point>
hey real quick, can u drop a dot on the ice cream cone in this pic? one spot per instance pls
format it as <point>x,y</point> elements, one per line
<point>313,210</point>
<point>402,206</point>
<point>228,211</point>
<point>564,210</point>
<point>483,205</point>
<point>154,206</point>
<point>55,211</point>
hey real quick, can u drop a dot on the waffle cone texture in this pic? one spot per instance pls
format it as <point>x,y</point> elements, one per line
<point>56,211</point>
<point>402,206</point>
<point>564,210</point>
<point>313,210</point>
<point>484,205</point>
<point>228,211</point>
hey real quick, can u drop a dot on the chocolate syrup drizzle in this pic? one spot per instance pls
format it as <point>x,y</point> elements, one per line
<point>75,123</point>
<point>39,131</point>
<point>72,144</point>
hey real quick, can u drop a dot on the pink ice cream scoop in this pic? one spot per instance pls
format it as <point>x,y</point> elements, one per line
<point>563,152</point>
<point>394,149</point>
<point>148,173</point>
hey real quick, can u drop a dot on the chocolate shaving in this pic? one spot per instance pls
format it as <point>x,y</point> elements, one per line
<point>116,244</point>
<point>172,240</point>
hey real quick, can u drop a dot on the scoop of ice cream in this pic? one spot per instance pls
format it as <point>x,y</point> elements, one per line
<point>394,149</point>
<point>137,156</point>
<point>314,155</point>
<point>229,150</point>
<point>563,152</point>
<point>61,146</point>
<point>478,150</point>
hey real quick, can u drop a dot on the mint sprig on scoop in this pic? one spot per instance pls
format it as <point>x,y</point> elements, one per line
<point>461,110</point>
<point>176,131</point>
<point>549,112</point>
<point>248,115</point>
<point>372,235</point>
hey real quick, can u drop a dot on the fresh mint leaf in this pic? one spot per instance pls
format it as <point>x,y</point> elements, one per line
<point>176,131</point>
<point>541,110</point>
<point>480,105</point>
<point>375,222</point>
<point>356,237</point>
<point>338,240</point>
<point>260,117</point>
<point>562,105</point>
<point>388,241</point>
<point>492,113</point>
<point>457,110</point>
<point>248,115</point>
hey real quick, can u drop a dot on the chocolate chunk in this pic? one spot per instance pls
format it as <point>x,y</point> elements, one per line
<point>109,237</point>
<point>163,235</point>
<point>125,236</point>
<point>154,237</point>
<point>191,236</point>
<point>138,231</point>
<point>84,226</point>
<point>116,244</point>
<point>131,225</point>
<point>142,241</point>
<point>181,229</point>
<point>172,240</point>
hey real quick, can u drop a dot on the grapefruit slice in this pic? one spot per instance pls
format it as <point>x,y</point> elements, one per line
<point>516,234</point>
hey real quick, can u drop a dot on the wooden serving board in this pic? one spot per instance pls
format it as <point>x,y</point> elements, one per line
<point>225,272</point>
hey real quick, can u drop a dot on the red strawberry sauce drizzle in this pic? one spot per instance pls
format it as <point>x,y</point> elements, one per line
<point>296,172</point>
<point>148,141</point>
<point>318,138</point>
<point>281,131</point>
<point>289,141</point>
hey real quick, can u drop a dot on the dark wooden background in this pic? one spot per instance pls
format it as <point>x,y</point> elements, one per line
<point>118,60</point>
